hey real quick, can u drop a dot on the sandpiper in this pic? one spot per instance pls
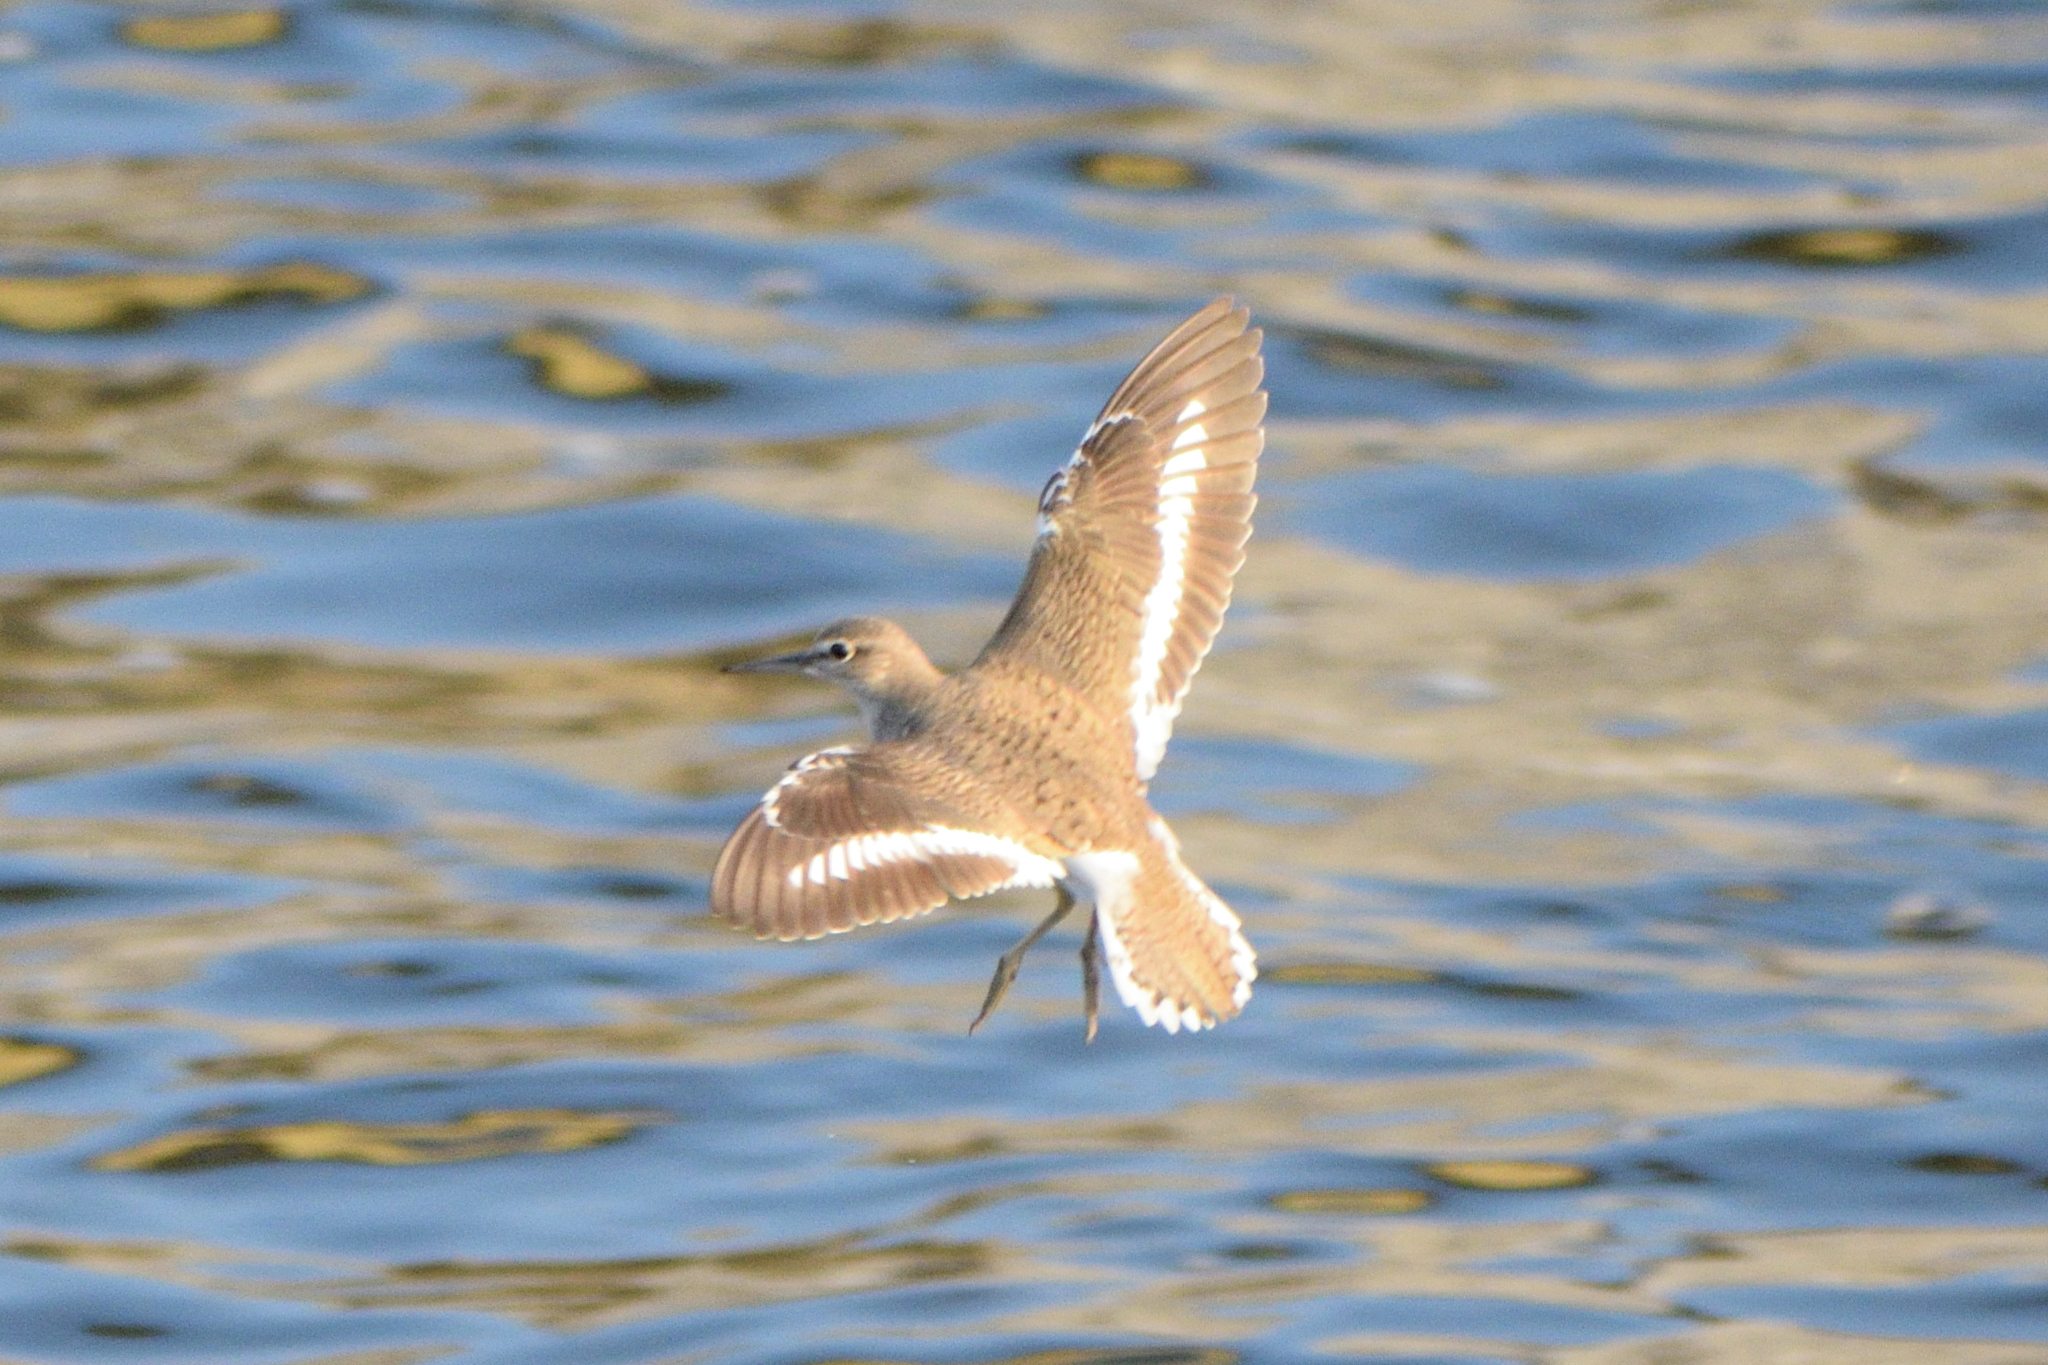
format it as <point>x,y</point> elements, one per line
<point>1030,766</point>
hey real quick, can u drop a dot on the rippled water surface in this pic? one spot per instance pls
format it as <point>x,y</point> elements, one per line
<point>1629,751</point>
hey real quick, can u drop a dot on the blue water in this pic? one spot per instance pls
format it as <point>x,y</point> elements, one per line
<point>636,576</point>
<point>1644,628</point>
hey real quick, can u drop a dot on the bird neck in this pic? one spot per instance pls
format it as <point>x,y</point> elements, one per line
<point>896,703</point>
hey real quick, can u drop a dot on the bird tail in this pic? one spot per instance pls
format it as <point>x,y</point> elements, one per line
<point>1176,952</point>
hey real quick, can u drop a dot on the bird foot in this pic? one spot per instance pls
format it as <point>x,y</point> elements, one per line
<point>1008,963</point>
<point>1091,971</point>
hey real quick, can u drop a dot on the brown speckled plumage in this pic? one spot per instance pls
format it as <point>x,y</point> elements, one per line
<point>1030,766</point>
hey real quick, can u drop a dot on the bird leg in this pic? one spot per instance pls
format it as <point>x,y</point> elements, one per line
<point>1008,963</point>
<point>1091,970</point>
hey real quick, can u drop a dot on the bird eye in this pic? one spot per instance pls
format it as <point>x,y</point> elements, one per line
<point>839,649</point>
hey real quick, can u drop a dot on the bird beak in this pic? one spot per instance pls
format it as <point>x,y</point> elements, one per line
<point>796,661</point>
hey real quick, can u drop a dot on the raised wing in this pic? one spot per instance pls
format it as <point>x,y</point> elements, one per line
<point>1142,530</point>
<point>863,836</point>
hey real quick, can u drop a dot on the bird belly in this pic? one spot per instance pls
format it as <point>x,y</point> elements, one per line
<point>1100,878</point>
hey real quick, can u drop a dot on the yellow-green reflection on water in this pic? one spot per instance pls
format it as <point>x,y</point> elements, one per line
<point>473,1137</point>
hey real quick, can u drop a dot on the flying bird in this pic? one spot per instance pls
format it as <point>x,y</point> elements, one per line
<point>1029,767</point>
